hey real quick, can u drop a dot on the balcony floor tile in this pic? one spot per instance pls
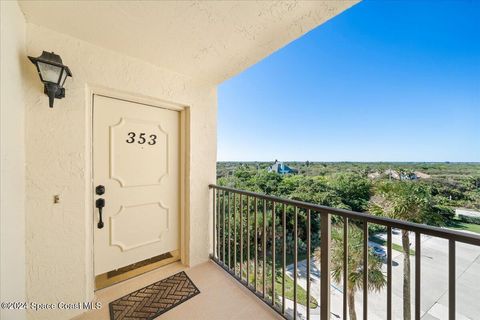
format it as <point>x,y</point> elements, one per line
<point>221,297</point>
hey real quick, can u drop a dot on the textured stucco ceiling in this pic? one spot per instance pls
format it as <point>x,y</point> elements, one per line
<point>209,40</point>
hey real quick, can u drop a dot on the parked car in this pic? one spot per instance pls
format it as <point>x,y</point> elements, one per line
<point>379,252</point>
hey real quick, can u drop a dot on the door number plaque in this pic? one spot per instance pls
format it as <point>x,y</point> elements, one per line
<point>142,138</point>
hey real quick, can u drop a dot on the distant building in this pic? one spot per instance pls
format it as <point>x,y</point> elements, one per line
<point>397,175</point>
<point>281,168</point>
<point>421,175</point>
<point>374,175</point>
<point>392,174</point>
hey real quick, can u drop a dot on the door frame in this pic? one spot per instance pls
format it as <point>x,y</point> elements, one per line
<point>184,198</point>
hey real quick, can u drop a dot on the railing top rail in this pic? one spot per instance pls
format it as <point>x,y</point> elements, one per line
<point>394,223</point>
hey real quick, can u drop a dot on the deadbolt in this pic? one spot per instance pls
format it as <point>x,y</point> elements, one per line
<point>99,190</point>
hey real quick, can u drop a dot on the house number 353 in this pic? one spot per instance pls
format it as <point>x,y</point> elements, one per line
<point>142,138</point>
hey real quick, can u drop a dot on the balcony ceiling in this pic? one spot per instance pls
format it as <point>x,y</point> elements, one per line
<point>209,40</point>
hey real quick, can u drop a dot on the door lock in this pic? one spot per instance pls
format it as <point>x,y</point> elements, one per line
<point>100,203</point>
<point>99,190</point>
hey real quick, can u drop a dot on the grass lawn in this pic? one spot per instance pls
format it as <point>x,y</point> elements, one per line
<point>395,246</point>
<point>301,293</point>
<point>289,285</point>
<point>463,226</point>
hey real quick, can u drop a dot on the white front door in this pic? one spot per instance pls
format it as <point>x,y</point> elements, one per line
<point>136,160</point>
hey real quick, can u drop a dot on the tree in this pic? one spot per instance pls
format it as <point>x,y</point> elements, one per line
<point>354,190</point>
<point>404,200</point>
<point>376,278</point>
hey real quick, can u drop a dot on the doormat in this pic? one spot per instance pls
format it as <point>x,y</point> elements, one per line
<point>155,299</point>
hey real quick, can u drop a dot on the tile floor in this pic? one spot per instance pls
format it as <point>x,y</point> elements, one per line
<point>221,297</point>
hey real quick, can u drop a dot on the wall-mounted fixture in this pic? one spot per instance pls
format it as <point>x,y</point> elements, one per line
<point>53,74</point>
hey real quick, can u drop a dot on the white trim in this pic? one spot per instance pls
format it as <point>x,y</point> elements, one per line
<point>136,98</point>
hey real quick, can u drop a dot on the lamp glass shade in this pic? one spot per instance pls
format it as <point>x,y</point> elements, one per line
<point>64,77</point>
<point>49,72</point>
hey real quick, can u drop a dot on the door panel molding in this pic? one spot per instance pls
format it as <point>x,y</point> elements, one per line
<point>161,138</point>
<point>125,210</point>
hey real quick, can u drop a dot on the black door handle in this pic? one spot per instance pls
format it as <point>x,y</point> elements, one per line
<point>100,203</point>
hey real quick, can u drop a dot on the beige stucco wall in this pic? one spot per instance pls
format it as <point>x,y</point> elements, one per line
<point>12,163</point>
<point>59,236</point>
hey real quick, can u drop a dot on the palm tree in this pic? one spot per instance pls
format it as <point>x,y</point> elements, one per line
<point>376,278</point>
<point>404,200</point>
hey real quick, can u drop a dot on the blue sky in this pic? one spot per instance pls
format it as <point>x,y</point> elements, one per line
<point>383,81</point>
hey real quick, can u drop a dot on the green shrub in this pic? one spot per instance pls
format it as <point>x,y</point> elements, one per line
<point>469,219</point>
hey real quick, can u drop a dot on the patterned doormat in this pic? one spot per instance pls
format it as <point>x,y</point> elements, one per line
<point>155,299</point>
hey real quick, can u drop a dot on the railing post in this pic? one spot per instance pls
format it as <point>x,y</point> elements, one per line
<point>325,236</point>
<point>389,273</point>
<point>345,267</point>
<point>308,263</point>
<point>241,237</point>
<point>418,273</point>
<point>284,254</point>
<point>248,241</point>
<point>273,254</point>
<point>451,280</point>
<point>217,225</point>
<point>256,243</point>
<point>223,228</point>
<point>229,233</point>
<point>234,234</point>
<point>365,270</point>
<point>214,207</point>
<point>264,250</point>
<point>295,262</point>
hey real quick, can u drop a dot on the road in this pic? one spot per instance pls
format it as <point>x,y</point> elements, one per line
<point>434,284</point>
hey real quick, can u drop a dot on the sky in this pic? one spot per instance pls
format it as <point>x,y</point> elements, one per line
<point>382,81</point>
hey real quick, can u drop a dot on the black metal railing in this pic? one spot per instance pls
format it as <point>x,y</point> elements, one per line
<point>232,221</point>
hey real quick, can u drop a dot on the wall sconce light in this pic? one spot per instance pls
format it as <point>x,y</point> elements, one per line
<point>53,74</point>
